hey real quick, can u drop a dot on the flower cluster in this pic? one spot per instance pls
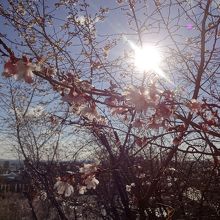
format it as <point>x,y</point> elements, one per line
<point>64,187</point>
<point>82,96</point>
<point>207,113</point>
<point>88,175</point>
<point>193,194</point>
<point>21,68</point>
<point>140,98</point>
<point>194,105</point>
<point>129,187</point>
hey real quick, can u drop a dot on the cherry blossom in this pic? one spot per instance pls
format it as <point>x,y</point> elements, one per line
<point>9,69</point>
<point>25,71</point>
<point>88,168</point>
<point>89,111</point>
<point>91,182</point>
<point>160,212</point>
<point>163,111</point>
<point>88,174</point>
<point>63,188</point>
<point>171,169</point>
<point>194,105</point>
<point>119,110</point>
<point>82,190</point>
<point>138,123</point>
<point>138,98</point>
<point>21,69</point>
<point>129,187</point>
<point>74,98</point>
<point>154,125</point>
<point>141,141</point>
<point>193,194</point>
<point>141,175</point>
<point>110,101</point>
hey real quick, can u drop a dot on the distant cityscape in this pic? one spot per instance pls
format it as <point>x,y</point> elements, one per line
<point>7,166</point>
<point>12,176</point>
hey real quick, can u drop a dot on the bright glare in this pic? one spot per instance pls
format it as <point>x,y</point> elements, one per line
<point>147,58</point>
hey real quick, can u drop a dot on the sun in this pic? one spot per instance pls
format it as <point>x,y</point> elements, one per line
<point>147,58</point>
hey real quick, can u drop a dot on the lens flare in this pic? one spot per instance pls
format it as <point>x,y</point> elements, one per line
<point>147,58</point>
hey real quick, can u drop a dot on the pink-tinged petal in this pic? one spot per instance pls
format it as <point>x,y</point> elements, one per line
<point>194,105</point>
<point>25,71</point>
<point>69,190</point>
<point>91,182</point>
<point>9,69</point>
<point>82,190</point>
<point>28,77</point>
<point>138,123</point>
<point>95,181</point>
<point>56,185</point>
<point>61,188</point>
<point>128,188</point>
<point>119,110</point>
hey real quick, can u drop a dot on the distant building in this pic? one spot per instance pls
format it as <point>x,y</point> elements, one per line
<point>13,182</point>
<point>7,166</point>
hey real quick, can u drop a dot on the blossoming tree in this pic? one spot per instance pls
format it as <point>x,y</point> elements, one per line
<point>142,78</point>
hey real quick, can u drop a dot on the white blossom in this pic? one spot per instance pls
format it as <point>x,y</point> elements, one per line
<point>91,182</point>
<point>81,20</point>
<point>88,168</point>
<point>172,169</point>
<point>141,175</point>
<point>82,190</point>
<point>21,69</point>
<point>138,98</point>
<point>63,188</point>
<point>193,194</point>
<point>128,187</point>
<point>24,71</point>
